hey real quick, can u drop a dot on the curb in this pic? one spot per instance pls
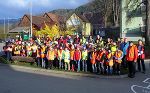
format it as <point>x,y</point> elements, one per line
<point>49,72</point>
<point>147,60</point>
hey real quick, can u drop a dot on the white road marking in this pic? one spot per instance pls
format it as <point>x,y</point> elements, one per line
<point>143,89</point>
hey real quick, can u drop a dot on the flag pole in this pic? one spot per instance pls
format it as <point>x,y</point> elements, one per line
<point>31,19</point>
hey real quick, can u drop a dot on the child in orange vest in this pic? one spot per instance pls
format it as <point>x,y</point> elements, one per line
<point>109,63</point>
<point>50,56</point>
<point>72,62</point>
<point>60,58</point>
<point>93,60</point>
<point>117,61</point>
<point>43,48</point>
<point>100,60</point>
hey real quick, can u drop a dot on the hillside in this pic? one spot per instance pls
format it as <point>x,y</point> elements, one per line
<point>12,24</point>
<point>66,12</point>
<point>62,12</point>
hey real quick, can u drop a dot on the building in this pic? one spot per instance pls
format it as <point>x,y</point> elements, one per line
<point>132,19</point>
<point>59,20</point>
<point>85,24</point>
<point>24,26</point>
<point>148,22</point>
<point>38,22</point>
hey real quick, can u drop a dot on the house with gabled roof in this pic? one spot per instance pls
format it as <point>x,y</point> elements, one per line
<point>38,23</point>
<point>59,20</point>
<point>85,24</point>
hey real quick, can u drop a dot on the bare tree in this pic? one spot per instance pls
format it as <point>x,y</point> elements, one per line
<point>116,11</point>
<point>104,7</point>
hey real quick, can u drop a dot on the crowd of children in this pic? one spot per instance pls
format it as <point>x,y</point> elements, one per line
<point>79,54</point>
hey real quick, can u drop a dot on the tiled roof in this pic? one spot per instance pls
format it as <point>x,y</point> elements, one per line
<point>55,18</point>
<point>38,20</point>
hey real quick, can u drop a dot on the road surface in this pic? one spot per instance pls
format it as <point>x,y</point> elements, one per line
<point>22,81</point>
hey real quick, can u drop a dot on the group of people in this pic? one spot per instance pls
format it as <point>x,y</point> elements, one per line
<point>81,54</point>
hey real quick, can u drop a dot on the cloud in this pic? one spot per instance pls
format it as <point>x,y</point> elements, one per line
<point>17,8</point>
<point>17,3</point>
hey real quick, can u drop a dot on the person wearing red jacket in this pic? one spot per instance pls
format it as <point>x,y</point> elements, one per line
<point>141,56</point>
<point>77,58</point>
<point>132,55</point>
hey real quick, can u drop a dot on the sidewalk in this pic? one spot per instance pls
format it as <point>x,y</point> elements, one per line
<point>60,73</point>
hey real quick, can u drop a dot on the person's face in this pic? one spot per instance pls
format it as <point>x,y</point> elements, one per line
<point>125,40</point>
<point>90,36</point>
<point>96,41</point>
<point>122,40</point>
<point>60,47</point>
<point>140,43</point>
<point>72,47</point>
<point>84,48</point>
<point>50,48</point>
<point>101,38</point>
<point>108,39</point>
<point>98,36</point>
<point>131,44</point>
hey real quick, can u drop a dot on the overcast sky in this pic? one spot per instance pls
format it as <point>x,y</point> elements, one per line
<point>17,8</point>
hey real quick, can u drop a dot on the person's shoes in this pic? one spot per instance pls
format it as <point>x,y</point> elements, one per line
<point>132,76</point>
<point>119,73</point>
<point>143,72</point>
<point>129,75</point>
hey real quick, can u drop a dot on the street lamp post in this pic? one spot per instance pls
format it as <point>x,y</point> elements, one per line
<point>31,19</point>
<point>146,26</point>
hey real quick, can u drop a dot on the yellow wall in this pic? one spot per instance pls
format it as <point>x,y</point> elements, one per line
<point>86,27</point>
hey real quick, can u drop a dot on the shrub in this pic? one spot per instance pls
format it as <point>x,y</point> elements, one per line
<point>3,60</point>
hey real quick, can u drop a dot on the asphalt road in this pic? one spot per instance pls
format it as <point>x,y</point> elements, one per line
<point>22,81</point>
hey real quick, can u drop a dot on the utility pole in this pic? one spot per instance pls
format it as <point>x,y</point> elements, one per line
<point>146,2</point>
<point>8,25</point>
<point>31,19</point>
<point>4,25</point>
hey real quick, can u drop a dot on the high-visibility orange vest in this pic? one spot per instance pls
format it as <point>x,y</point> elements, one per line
<point>99,56</point>
<point>43,53</point>
<point>38,53</point>
<point>28,48</point>
<point>110,59</point>
<point>60,54</point>
<point>132,53</point>
<point>71,54</point>
<point>118,54</point>
<point>93,58</point>
<point>50,55</point>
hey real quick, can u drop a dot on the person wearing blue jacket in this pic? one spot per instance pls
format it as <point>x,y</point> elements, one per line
<point>123,47</point>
